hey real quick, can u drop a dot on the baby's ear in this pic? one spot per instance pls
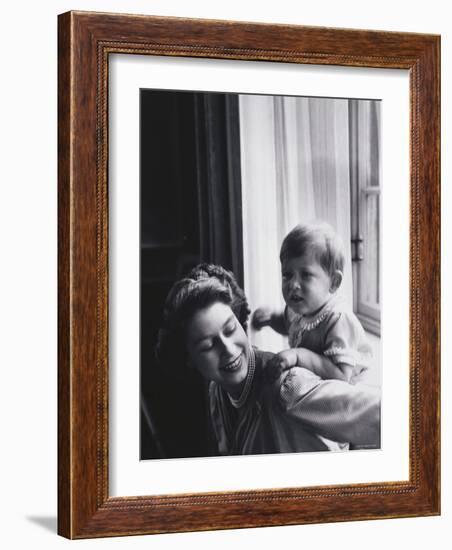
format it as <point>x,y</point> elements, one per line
<point>336,280</point>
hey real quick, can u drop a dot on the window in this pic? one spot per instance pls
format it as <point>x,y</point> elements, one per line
<point>365,191</point>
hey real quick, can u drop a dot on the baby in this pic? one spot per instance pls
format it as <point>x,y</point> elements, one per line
<point>324,335</point>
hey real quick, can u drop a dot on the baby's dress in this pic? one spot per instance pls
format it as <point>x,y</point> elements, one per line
<point>333,331</point>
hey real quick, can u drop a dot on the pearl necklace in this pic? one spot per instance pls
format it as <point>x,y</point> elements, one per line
<point>237,403</point>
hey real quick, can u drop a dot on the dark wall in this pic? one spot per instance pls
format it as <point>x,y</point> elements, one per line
<point>190,206</point>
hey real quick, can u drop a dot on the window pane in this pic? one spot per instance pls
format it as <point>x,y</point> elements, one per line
<point>371,264</point>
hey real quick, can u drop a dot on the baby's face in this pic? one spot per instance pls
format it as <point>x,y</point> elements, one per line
<point>305,284</point>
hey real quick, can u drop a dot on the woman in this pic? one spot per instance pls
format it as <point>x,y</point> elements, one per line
<point>205,322</point>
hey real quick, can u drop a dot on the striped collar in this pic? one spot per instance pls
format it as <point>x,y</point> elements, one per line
<point>310,322</point>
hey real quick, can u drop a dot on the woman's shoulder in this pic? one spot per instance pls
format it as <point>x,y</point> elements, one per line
<point>261,358</point>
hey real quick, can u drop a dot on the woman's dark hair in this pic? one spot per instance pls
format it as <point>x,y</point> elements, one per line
<point>203,286</point>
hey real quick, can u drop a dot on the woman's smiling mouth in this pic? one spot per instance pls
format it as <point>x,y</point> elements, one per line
<point>233,365</point>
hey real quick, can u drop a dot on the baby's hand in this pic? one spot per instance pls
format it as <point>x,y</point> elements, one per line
<point>261,318</point>
<point>284,360</point>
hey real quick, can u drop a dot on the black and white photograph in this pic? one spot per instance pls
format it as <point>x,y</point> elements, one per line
<point>260,264</point>
<point>224,235</point>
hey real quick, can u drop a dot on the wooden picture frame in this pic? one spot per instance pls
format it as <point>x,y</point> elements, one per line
<point>86,40</point>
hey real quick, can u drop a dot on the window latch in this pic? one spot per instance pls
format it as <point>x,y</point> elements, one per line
<point>358,249</point>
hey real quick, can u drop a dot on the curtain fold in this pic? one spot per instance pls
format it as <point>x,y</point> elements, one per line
<point>295,168</point>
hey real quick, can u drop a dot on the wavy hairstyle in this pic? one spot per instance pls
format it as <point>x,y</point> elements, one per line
<point>204,285</point>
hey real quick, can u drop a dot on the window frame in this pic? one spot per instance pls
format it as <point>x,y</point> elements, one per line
<point>360,189</point>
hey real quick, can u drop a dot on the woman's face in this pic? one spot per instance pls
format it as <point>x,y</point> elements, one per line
<point>218,347</point>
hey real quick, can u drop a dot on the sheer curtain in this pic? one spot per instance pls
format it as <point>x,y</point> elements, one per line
<point>295,168</point>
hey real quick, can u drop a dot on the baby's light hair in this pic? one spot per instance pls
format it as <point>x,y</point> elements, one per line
<point>319,239</point>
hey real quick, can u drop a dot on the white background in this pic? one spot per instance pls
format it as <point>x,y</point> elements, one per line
<point>127,475</point>
<point>28,231</point>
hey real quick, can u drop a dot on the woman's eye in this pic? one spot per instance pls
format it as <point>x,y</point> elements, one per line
<point>286,275</point>
<point>205,346</point>
<point>229,329</point>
